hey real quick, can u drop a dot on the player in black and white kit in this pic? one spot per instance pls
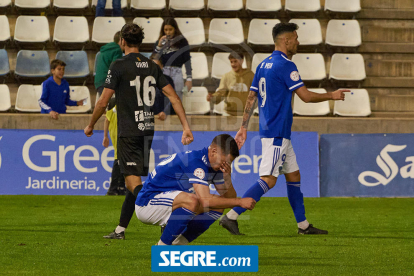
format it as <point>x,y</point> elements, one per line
<point>133,79</point>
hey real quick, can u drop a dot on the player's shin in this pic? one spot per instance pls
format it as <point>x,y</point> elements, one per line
<point>295,197</point>
<point>178,221</point>
<point>197,226</point>
<point>256,192</point>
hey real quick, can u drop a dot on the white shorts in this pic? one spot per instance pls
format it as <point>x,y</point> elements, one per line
<point>158,209</point>
<point>278,157</point>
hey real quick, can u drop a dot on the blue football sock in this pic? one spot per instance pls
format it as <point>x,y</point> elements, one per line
<point>256,192</point>
<point>200,224</point>
<point>178,221</point>
<point>295,197</point>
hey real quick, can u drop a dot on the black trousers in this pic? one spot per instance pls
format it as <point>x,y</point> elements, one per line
<point>117,178</point>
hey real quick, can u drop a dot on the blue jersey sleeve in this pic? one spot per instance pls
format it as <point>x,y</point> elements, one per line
<point>197,173</point>
<point>255,84</point>
<point>218,178</point>
<point>291,77</point>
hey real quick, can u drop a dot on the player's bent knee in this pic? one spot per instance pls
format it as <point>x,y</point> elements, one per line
<point>270,180</point>
<point>188,201</point>
<point>293,176</point>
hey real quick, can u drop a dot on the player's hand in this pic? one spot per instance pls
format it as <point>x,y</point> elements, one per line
<point>226,169</point>
<point>88,131</point>
<point>105,142</point>
<point>248,203</point>
<point>54,115</point>
<point>189,85</point>
<point>339,95</point>
<point>162,116</point>
<point>187,137</point>
<point>241,137</point>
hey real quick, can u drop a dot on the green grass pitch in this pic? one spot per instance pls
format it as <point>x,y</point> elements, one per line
<point>62,235</point>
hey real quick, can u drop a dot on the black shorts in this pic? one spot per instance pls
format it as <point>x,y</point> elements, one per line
<point>134,155</point>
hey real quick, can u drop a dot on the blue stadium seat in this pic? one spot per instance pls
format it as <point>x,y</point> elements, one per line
<point>94,66</point>
<point>4,63</point>
<point>77,65</point>
<point>32,64</point>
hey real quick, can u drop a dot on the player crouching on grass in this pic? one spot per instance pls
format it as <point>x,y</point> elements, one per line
<point>177,193</point>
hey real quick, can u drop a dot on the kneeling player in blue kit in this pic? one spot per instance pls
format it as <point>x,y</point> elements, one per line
<point>177,193</point>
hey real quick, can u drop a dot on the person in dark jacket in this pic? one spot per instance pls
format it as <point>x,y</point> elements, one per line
<point>173,51</point>
<point>55,92</point>
<point>108,54</point>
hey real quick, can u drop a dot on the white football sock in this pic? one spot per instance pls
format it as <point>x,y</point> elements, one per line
<point>119,229</point>
<point>180,240</point>
<point>160,243</point>
<point>303,224</point>
<point>232,215</point>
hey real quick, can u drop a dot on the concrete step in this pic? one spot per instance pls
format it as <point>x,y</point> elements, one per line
<point>388,82</point>
<point>389,68</point>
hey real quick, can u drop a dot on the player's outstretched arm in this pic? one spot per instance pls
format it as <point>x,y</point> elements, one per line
<point>209,201</point>
<point>99,110</point>
<point>241,135</point>
<point>312,97</point>
<point>179,110</point>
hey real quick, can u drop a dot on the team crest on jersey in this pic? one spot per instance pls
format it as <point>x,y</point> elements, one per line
<point>294,76</point>
<point>199,173</point>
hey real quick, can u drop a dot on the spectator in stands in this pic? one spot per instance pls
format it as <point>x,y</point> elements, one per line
<point>109,53</point>
<point>55,92</point>
<point>116,8</point>
<point>173,50</point>
<point>117,186</point>
<point>162,105</point>
<point>234,86</point>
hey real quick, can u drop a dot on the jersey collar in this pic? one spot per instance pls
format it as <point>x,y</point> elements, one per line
<point>279,53</point>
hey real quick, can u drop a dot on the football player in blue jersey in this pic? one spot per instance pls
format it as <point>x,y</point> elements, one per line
<point>276,79</point>
<point>177,192</point>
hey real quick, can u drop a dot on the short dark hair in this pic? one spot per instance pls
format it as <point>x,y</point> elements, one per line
<point>227,144</point>
<point>132,34</point>
<point>282,28</point>
<point>117,36</point>
<point>55,63</point>
<point>236,55</point>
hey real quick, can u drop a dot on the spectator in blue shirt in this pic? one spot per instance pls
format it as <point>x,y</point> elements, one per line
<point>55,92</point>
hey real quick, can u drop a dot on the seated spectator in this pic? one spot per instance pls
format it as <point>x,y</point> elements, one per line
<point>234,86</point>
<point>55,92</point>
<point>162,105</point>
<point>109,53</point>
<point>116,8</point>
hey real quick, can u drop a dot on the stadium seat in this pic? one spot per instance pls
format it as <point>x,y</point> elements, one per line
<point>31,4</point>
<point>104,28</point>
<point>227,31</point>
<point>185,5</point>
<point>152,28</point>
<point>192,29</point>
<point>351,6</point>
<point>344,33</point>
<point>5,102</point>
<point>220,109</point>
<point>302,5</point>
<point>94,64</point>
<point>221,65</point>
<point>155,5</point>
<point>4,63</point>
<point>71,29</point>
<point>263,5</point>
<point>356,103</point>
<point>77,65</point>
<point>256,111</point>
<point>309,32</point>
<point>311,67</point>
<point>195,101</point>
<point>72,4</point>
<point>257,59</point>
<point>260,31</point>
<point>31,29</point>
<point>78,93</point>
<point>4,30</point>
<point>311,109</point>
<point>32,64</point>
<point>226,6</point>
<point>27,99</point>
<point>108,6</point>
<point>5,3</point>
<point>347,67</point>
<point>199,65</point>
